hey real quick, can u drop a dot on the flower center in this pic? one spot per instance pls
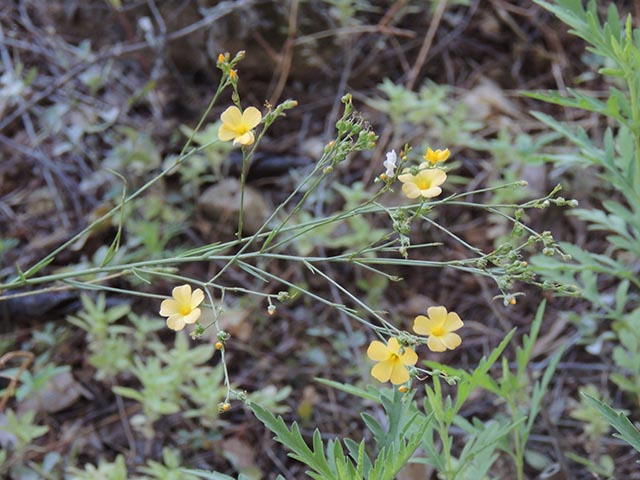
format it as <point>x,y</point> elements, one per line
<point>438,332</point>
<point>241,129</point>
<point>185,310</point>
<point>423,182</point>
<point>394,357</point>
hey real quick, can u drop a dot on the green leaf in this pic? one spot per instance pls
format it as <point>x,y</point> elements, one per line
<point>369,394</point>
<point>618,420</point>
<point>128,393</point>
<point>293,440</point>
<point>582,101</point>
<point>523,354</point>
<point>477,455</point>
<point>392,458</point>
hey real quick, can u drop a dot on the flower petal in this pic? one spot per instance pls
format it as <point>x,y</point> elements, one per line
<point>430,192</point>
<point>452,322</point>
<point>399,374</point>
<point>411,190</point>
<point>409,357</point>
<point>196,298</point>
<point>175,322</point>
<point>168,307</point>
<point>382,371</point>
<point>422,325</point>
<point>391,157</point>
<point>438,177</point>
<point>231,117</point>
<point>378,351</point>
<point>182,294</point>
<point>393,345</point>
<point>435,344</point>
<point>251,117</point>
<point>192,316</point>
<point>438,315</point>
<point>406,177</point>
<point>225,133</point>
<point>245,139</point>
<point>451,340</point>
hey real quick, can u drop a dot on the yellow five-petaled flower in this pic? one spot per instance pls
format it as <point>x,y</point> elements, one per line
<point>426,183</point>
<point>392,361</point>
<point>238,126</point>
<point>436,156</point>
<point>439,327</point>
<point>182,308</point>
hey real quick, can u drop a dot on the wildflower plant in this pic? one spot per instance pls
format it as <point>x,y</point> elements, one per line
<point>182,309</point>
<point>607,278</point>
<point>439,327</point>
<point>393,361</point>
<point>238,126</point>
<point>164,378</point>
<point>422,182</point>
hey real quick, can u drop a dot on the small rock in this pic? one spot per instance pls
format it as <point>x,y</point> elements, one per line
<point>220,204</point>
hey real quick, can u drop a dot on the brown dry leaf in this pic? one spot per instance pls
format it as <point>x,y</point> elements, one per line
<point>40,202</point>
<point>416,305</point>
<point>234,320</point>
<point>242,456</point>
<point>488,99</point>
<point>309,399</point>
<point>221,204</point>
<point>415,471</point>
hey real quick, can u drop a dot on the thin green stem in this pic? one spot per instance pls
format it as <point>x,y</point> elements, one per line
<point>243,180</point>
<point>20,281</point>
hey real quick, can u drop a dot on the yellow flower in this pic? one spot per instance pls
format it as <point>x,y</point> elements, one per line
<point>392,362</point>
<point>239,126</point>
<point>437,156</point>
<point>426,183</point>
<point>439,326</point>
<point>182,308</point>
